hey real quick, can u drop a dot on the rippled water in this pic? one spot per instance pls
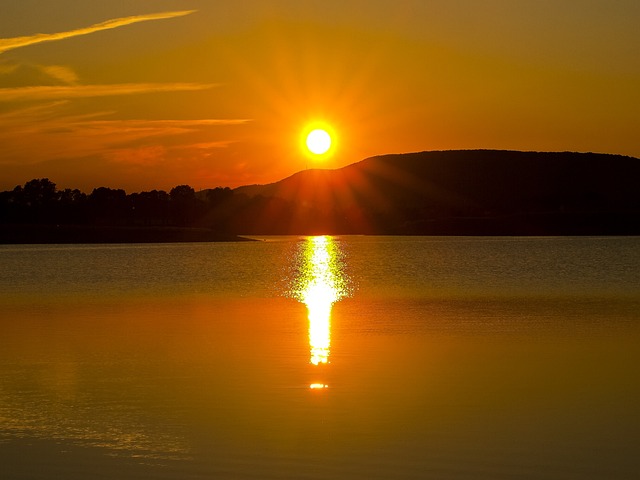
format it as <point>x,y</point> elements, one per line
<point>442,358</point>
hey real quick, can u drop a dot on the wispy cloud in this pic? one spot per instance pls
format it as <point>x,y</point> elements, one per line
<point>61,73</point>
<point>150,155</point>
<point>44,125</point>
<point>162,124</point>
<point>84,91</point>
<point>36,134</point>
<point>17,42</point>
<point>121,132</point>
<point>31,74</point>
<point>6,69</point>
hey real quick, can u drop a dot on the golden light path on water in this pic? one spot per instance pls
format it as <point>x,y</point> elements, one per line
<point>320,282</point>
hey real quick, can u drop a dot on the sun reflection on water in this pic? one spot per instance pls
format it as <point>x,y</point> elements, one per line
<point>320,282</point>
<point>318,386</point>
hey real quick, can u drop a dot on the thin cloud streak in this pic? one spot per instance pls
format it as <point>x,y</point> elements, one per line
<point>51,136</point>
<point>128,131</point>
<point>61,73</point>
<point>150,155</point>
<point>84,91</point>
<point>128,124</point>
<point>7,44</point>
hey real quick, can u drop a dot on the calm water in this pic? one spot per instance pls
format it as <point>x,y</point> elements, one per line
<point>322,358</point>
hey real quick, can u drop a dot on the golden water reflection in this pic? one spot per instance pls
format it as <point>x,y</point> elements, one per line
<point>320,282</point>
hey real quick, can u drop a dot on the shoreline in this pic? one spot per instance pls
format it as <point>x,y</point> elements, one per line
<point>76,234</point>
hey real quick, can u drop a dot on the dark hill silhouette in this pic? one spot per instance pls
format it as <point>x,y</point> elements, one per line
<point>464,192</point>
<point>470,192</point>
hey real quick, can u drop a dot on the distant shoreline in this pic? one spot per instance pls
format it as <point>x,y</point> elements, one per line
<point>52,234</point>
<point>82,234</point>
<point>451,193</point>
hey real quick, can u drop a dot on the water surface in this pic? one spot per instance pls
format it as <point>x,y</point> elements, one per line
<point>444,358</point>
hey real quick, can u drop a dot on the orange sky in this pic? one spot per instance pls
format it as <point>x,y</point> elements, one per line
<point>156,93</point>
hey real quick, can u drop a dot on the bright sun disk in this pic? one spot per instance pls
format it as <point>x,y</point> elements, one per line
<point>318,141</point>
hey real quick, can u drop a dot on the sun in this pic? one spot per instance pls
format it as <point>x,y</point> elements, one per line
<point>318,141</point>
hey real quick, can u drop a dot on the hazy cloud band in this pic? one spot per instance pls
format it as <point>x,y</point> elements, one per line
<point>17,42</point>
<point>84,91</point>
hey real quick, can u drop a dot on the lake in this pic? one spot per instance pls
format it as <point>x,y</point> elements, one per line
<point>322,358</point>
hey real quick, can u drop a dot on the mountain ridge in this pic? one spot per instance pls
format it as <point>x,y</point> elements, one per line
<point>453,192</point>
<point>467,192</point>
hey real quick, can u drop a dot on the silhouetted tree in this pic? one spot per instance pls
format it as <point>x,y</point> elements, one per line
<point>150,208</point>
<point>108,206</point>
<point>9,209</point>
<point>71,207</point>
<point>185,206</point>
<point>39,192</point>
<point>218,195</point>
<point>182,193</point>
<point>33,203</point>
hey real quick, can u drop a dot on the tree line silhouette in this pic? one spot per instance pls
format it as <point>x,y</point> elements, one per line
<point>474,192</point>
<point>39,202</point>
<point>37,212</point>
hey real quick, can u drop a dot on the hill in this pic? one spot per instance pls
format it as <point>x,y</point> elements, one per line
<point>469,192</point>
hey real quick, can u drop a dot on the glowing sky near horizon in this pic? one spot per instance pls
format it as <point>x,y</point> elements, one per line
<point>157,93</point>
